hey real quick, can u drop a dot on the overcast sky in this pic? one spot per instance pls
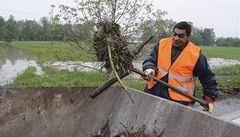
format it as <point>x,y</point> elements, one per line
<point>222,15</point>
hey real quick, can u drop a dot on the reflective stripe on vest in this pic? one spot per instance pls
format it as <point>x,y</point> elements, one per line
<point>164,72</point>
<point>180,78</point>
<point>184,89</point>
<point>180,72</point>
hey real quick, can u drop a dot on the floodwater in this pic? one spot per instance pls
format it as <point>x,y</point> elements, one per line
<point>75,65</point>
<point>220,62</point>
<point>10,70</point>
<point>14,63</point>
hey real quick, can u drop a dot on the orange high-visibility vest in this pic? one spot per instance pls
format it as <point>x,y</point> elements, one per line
<point>180,73</point>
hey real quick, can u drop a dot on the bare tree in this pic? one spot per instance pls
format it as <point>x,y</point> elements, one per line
<point>112,24</point>
<point>128,14</point>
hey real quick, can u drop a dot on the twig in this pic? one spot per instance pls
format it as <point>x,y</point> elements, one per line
<point>125,127</point>
<point>115,73</point>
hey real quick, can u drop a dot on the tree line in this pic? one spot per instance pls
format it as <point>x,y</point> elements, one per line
<point>48,30</point>
<point>27,30</point>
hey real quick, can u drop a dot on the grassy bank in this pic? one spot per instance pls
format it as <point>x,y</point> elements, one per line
<point>228,78</point>
<point>56,78</point>
<point>62,78</point>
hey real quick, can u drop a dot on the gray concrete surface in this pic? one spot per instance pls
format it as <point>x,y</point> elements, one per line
<point>70,112</point>
<point>226,109</point>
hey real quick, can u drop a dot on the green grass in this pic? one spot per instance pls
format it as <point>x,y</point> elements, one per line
<point>228,70</point>
<point>136,84</point>
<point>221,52</point>
<point>2,49</point>
<point>234,82</point>
<point>56,78</point>
<point>228,77</point>
<point>44,51</point>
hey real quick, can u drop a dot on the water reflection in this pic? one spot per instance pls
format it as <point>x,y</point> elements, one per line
<point>11,69</point>
<point>10,53</point>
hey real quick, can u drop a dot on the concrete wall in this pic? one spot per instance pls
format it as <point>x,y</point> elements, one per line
<point>70,112</point>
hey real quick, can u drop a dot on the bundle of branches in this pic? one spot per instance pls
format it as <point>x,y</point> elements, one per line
<point>111,48</point>
<point>108,37</point>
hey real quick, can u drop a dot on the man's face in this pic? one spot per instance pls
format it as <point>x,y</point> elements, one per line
<point>179,37</point>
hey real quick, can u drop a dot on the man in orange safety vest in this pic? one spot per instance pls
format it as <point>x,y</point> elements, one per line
<point>177,61</point>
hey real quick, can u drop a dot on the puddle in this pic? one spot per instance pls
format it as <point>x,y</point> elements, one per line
<point>10,70</point>
<point>91,66</point>
<point>220,62</point>
<point>75,65</point>
<point>81,66</point>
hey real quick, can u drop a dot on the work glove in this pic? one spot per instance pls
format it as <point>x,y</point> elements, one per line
<point>210,106</point>
<point>148,72</point>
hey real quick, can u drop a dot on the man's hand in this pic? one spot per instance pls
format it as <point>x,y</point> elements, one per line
<point>148,72</point>
<point>210,106</point>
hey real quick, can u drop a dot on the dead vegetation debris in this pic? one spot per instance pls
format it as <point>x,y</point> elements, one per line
<point>108,34</point>
<point>105,132</point>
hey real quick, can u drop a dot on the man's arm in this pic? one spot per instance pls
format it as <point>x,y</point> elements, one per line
<point>207,78</point>
<point>151,61</point>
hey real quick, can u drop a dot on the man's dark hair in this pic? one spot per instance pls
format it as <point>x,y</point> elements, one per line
<point>184,25</point>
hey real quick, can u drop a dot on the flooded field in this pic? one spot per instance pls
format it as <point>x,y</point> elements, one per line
<point>10,69</point>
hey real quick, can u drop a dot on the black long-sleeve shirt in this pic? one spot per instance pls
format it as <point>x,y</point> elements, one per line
<point>201,70</point>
